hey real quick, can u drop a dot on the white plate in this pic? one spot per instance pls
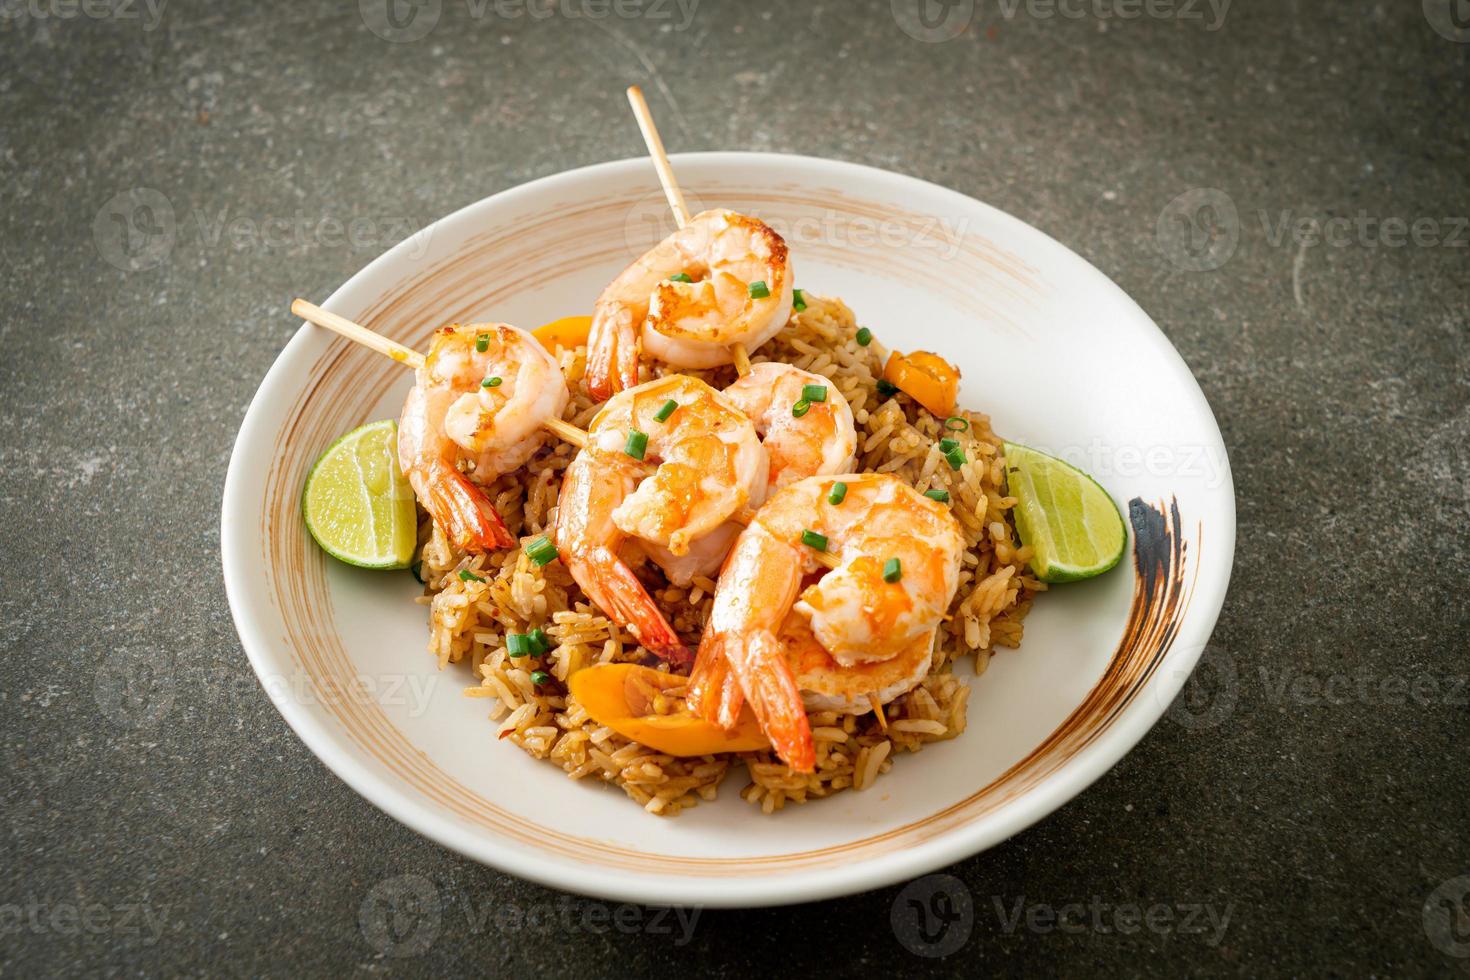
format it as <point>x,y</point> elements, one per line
<point>1054,352</point>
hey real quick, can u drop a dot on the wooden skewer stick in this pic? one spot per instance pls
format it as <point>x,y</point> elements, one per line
<point>358,334</point>
<point>660,158</point>
<point>655,145</point>
<point>878,710</point>
<point>665,170</point>
<point>406,356</point>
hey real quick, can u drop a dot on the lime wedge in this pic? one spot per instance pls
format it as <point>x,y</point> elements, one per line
<point>357,504</point>
<point>1073,527</point>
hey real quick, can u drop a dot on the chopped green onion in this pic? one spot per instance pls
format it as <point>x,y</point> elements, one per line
<point>801,408</point>
<point>666,410</point>
<point>940,495</point>
<point>948,446</point>
<point>539,677</point>
<point>637,444</point>
<point>482,342</point>
<point>759,289</point>
<point>539,641</point>
<point>814,393</point>
<point>956,458</point>
<point>886,387</point>
<point>864,337</point>
<point>892,570</point>
<point>518,644</point>
<point>490,383</point>
<point>465,575</point>
<point>839,491</point>
<point>542,551</point>
<point>956,424</point>
<point>813,540</point>
<point>798,301</point>
<point>680,277</point>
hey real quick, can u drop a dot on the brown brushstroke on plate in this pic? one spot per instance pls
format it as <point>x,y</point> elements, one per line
<point>344,384</point>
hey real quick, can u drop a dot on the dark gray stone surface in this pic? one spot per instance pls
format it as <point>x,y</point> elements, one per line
<point>1320,798</point>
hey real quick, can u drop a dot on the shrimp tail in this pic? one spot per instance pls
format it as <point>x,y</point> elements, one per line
<point>714,690</point>
<point>622,597</point>
<point>612,352</point>
<point>757,659</point>
<point>464,511</point>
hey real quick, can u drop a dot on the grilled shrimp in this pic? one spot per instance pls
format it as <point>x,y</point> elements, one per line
<point>738,292</point>
<point>475,412</point>
<point>666,463</point>
<point>819,441</point>
<point>898,556</point>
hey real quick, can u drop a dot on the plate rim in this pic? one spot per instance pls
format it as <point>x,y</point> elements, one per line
<point>1078,773</point>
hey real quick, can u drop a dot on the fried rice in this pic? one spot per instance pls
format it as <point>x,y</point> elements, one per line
<point>505,592</point>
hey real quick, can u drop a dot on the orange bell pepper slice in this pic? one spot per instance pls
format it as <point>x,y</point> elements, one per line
<point>620,696</point>
<point>927,378</point>
<point>569,332</point>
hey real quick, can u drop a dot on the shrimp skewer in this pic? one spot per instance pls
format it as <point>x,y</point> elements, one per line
<point>451,418</point>
<point>478,409</point>
<point>873,616</point>
<point>735,292</point>
<point>411,358</point>
<point>666,463</point>
<point>655,144</point>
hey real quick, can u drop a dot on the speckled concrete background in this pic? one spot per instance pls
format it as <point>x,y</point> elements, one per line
<point>167,172</point>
